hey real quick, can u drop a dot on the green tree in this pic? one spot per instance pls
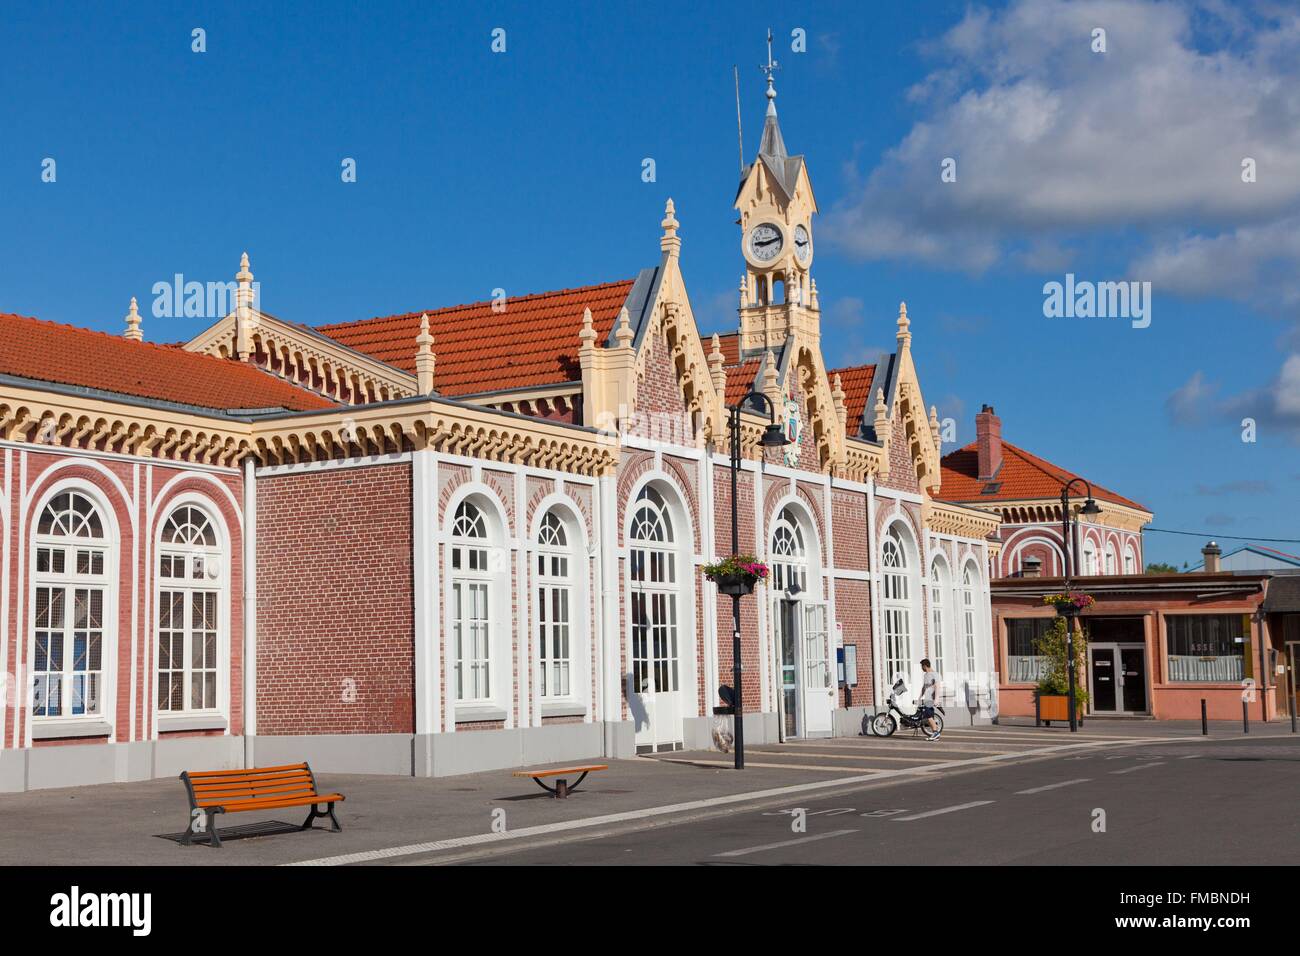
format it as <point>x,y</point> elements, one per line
<point>1052,647</point>
<point>1159,567</point>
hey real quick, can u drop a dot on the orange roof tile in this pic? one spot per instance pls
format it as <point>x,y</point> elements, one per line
<point>856,381</point>
<point>67,355</point>
<point>740,379</point>
<point>532,342</point>
<point>1021,476</point>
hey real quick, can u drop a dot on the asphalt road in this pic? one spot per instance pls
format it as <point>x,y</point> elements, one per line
<point>1190,802</point>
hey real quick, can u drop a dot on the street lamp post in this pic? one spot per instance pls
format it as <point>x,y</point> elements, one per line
<point>1089,508</point>
<point>773,437</point>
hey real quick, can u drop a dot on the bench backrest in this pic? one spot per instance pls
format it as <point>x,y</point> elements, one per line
<point>219,787</point>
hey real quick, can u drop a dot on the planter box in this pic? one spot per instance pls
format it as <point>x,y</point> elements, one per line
<point>736,584</point>
<point>1050,707</point>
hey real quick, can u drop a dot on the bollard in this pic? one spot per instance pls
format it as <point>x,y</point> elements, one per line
<point>1245,718</point>
<point>1205,724</point>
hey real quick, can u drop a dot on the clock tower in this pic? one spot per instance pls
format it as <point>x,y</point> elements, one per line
<point>778,298</point>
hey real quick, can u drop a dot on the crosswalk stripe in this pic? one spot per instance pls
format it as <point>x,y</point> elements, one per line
<point>935,813</point>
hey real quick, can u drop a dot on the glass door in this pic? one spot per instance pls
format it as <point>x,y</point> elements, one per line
<point>1133,679</point>
<point>784,615</point>
<point>1101,673</point>
<point>818,689</point>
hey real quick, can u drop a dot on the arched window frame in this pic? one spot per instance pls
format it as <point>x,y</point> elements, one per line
<point>789,554</point>
<point>1112,558</point>
<point>558,612</point>
<point>970,610</point>
<point>191,610</point>
<point>654,598</point>
<point>1090,566</point>
<point>73,572</point>
<point>472,595</point>
<point>1130,560</point>
<point>900,579</point>
<point>940,585</point>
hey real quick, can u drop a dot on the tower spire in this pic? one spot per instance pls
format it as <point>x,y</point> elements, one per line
<point>772,144</point>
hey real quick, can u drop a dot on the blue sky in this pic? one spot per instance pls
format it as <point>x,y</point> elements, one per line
<point>522,171</point>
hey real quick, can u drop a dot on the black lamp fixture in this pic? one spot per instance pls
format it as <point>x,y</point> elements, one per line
<point>773,437</point>
<point>1090,507</point>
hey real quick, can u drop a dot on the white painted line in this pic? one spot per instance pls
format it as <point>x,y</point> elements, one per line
<point>1053,786</point>
<point>935,813</point>
<point>1141,766</point>
<point>477,839</point>
<point>772,766</point>
<point>776,846</point>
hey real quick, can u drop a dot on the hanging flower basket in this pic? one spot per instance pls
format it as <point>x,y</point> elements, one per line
<point>736,575</point>
<point>1071,604</point>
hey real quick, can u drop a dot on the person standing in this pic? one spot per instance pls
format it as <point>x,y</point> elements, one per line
<point>929,697</point>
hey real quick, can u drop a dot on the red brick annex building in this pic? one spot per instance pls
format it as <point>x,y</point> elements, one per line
<point>470,538</point>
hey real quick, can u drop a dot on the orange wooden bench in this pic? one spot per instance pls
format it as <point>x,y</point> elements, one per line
<point>561,788</point>
<point>258,788</point>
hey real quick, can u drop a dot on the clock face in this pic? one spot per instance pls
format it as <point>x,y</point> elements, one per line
<point>765,242</point>
<point>802,244</point>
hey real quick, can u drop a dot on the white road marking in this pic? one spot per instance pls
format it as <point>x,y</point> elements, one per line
<point>1053,786</point>
<point>433,846</point>
<point>1141,766</point>
<point>812,838</point>
<point>935,813</point>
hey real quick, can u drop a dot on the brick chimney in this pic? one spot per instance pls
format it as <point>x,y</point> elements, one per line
<point>988,438</point>
<point>1211,553</point>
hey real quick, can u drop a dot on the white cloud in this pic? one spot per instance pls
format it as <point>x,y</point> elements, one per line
<point>1052,140</point>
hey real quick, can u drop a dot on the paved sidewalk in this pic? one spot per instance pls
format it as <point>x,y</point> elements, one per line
<point>135,823</point>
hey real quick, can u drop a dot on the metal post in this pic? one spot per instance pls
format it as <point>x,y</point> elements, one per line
<point>1245,716</point>
<point>1067,543</point>
<point>1069,656</point>
<point>1205,723</point>
<point>739,716</point>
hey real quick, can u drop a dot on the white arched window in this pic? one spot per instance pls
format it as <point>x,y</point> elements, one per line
<point>471,603</point>
<point>554,607</point>
<point>71,598</point>
<point>190,569</point>
<point>789,557</point>
<point>1090,558</point>
<point>652,561</point>
<point>969,584</point>
<point>1130,560</point>
<point>938,602</point>
<point>1112,560</point>
<point>896,606</point>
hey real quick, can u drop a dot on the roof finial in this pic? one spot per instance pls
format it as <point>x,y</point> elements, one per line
<point>424,357</point>
<point>244,309</point>
<point>133,323</point>
<point>904,324</point>
<point>670,243</point>
<point>623,333</point>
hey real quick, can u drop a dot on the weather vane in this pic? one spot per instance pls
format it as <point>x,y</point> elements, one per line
<point>772,66</point>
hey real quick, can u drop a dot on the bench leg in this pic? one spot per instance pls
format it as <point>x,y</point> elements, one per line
<point>561,788</point>
<point>328,812</point>
<point>212,830</point>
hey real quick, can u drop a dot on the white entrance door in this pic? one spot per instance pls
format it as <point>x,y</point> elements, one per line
<point>655,695</point>
<point>818,686</point>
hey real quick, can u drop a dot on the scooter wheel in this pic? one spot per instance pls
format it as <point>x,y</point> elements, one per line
<point>884,725</point>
